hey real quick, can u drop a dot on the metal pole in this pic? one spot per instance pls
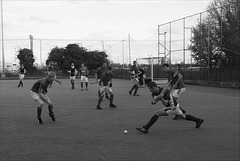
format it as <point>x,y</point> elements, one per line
<point>3,59</point>
<point>129,49</point>
<point>123,52</point>
<point>183,40</point>
<point>40,52</point>
<point>170,34</point>
<point>158,43</point>
<point>165,54</point>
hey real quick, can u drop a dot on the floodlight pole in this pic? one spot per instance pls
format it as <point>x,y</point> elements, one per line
<point>3,59</point>
<point>129,49</point>
<point>123,52</point>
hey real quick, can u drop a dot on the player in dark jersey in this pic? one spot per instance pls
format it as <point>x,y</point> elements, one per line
<point>39,94</point>
<point>73,72</point>
<point>172,108</point>
<point>134,72</point>
<point>175,83</point>
<point>98,76</point>
<point>21,72</point>
<point>105,84</point>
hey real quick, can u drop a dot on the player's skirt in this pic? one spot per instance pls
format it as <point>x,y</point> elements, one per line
<point>40,99</point>
<point>21,76</point>
<point>135,81</point>
<point>173,111</point>
<point>177,92</point>
<point>84,78</point>
<point>72,77</point>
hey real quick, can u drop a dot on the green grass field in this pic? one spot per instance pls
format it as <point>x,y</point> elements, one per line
<point>83,133</point>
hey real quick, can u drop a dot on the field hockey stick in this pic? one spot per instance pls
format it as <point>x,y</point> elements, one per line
<point>43,98</point>
<point>94,82</point>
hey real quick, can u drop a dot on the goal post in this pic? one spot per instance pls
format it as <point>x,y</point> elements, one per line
<point>153,69</point>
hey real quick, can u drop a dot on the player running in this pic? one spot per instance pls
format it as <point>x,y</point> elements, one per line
<point>21,72</point>
<point>84,76</point>
<point>134,72</point>
<point>172,108</point>
<point>39,94</point>
<point>73,72</point>
<point>105,84</point>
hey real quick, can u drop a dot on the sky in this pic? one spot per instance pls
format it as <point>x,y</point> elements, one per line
<point>94,24</point>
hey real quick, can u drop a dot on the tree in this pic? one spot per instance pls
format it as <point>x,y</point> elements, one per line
<point>217,37</point>
<point>72,53</point>
<point>25,57</point>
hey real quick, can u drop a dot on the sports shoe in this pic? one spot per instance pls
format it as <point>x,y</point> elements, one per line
<point>136,94</point>
<point>130,92</point>
<point>99,108</point>
<point>40,121</point>
<point>53,118</point>
<point>198,124</point>
<point>81,89</point>
<point>112,105</point>
<point>143,130</point>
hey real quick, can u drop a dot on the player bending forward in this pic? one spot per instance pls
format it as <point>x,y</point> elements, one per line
<point>105,84</point>
<point>39,94</point>
<point>172,108</point>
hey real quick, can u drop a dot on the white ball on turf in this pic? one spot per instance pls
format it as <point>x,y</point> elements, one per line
<point>125,131</point>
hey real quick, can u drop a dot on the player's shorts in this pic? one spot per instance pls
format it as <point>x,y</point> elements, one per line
<point>177,92</point>
<point>105,89</point>
<point>135,80</point>
<point>84,78</point>
<point>72,77</point>
<point>38,98</point>
<point>21,76</point>
<point>173,111</point>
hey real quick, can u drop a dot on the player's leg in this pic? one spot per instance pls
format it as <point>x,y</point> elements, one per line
<point>36,98</point>
<point>136,89</point>
<point>82,79</point>
<point>20,80</point>
<point>111,98</point>
<point>73,81</point>
<point>197,120</point>
<point>51,114</point>
<point>86,82</point>
<point>39,110</point>
<point>153,119</point>
<point>100,98</point>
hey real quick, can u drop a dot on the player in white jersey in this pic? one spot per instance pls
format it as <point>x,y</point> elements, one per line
<point>171,109</point>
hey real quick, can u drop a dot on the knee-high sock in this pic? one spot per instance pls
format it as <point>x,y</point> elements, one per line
<point>133,87</point>
<point>86,83</point>
<point>191,118</point>
<point>151,122</point>
<point>82,85</point>
<point>99,100</point>
<point>111,99</point>
<point>39,112</point>
<point>136,89</point>
<point>50,109</point>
